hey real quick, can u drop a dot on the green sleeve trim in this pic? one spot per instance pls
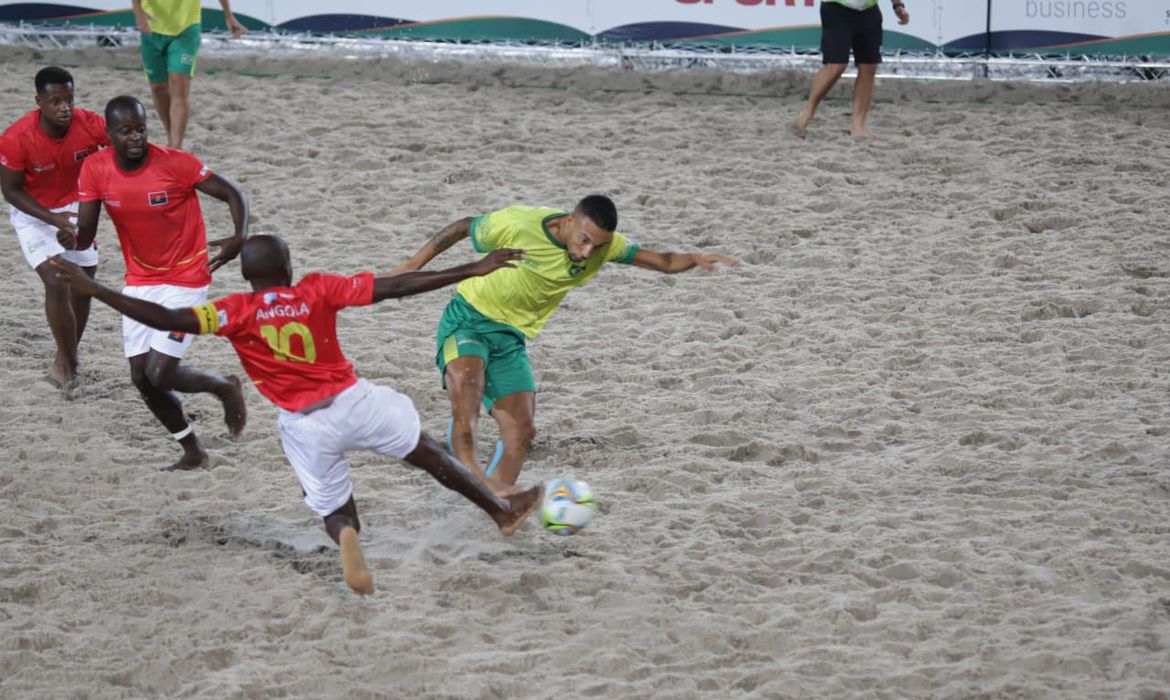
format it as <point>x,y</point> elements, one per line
<point>631,250</point>
<point>475,224</point>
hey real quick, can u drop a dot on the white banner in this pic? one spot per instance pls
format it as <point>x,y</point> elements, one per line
<point>953,24</point>
<point>1099,18</point>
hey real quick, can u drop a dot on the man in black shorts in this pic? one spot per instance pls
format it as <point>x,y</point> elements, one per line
<point>845,25</point>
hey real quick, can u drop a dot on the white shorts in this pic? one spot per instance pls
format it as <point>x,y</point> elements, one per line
<point>38,240</point>
<point>363,417</point>
<point>139,338</point>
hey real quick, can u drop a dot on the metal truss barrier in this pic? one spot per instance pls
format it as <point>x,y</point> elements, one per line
<point>738,59</point>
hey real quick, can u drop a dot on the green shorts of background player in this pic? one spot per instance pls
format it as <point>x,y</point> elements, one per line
<point>482,336</point>
<point>171,34</point>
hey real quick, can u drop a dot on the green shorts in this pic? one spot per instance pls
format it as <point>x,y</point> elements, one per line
<point>163,54</point>
<point>465,332</point>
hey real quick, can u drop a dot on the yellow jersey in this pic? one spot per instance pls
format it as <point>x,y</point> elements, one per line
<point>171,17</point>
<point>526,296</point>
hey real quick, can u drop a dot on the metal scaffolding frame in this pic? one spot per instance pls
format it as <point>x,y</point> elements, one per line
<point>1036,67</point>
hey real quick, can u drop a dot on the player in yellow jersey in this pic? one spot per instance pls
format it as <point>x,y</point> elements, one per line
<point>483,332</point>
<point>171,34</point>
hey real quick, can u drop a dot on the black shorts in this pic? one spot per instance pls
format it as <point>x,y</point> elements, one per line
<point>843,28</point>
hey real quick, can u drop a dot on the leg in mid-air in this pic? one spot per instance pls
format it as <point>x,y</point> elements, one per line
<point>158,375</point>
<point>508,511</point>
<point>167,408</point>
<point>343,527</point>
<point>378,419</point>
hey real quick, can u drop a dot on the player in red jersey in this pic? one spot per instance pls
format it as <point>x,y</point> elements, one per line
<point>150,195</point>
<point>40,157</point>
<point>286,338</point>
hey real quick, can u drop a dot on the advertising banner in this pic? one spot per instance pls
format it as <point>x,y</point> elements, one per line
<point>1111,27</point>
<point>1105,27</point>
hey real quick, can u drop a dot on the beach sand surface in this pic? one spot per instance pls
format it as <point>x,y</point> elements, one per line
<point>916,446</point>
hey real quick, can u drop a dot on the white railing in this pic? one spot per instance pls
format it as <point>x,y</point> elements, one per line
<point>1035,67</point>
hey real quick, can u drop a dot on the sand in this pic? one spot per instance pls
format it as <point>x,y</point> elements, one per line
<point>917,446</point>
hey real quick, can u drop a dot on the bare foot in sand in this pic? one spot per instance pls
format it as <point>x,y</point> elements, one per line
<point>69,382</point>
<point>353,563</point>
<point>520,506</point>
<point>235,409</point>
<point>189,462</point>
<point>800,125</point>
<point>863,133</point>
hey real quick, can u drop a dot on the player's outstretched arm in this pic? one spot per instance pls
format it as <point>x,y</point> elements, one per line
<point>392,285</point>
<point>225,190</point>
<point>151,314</point>
<point>671,263</point>
<point>449,236</point>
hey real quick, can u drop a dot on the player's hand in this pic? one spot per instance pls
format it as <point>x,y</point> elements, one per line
<point>708,261</point>
<point>903,15</point>
<point>229,248</point>
<point>142,20</point>
<point>504,257</point>
<point>66,229</point>
<point>73,274</point>
<point>237,29</point>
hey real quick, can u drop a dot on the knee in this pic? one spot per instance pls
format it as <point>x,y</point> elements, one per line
<point>54,286</point>
<point>465,389</point>
<point>141,380</point>
<point>524,433</point>
<point>158,375</point>
<point>836,69</point>
<point>154,376</point>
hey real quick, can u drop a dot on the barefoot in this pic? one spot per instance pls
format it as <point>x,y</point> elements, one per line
<point>353,563</point>
<point>520,506</point>
<point>503,490</point>
<point>74,388</point>
<point>65,380</point>
<point>801,123</point>
<point>235,409</point>
<point>863,133</point>
<point>189,462</point>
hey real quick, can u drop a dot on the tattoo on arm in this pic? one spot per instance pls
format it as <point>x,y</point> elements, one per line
<point>451,234</point>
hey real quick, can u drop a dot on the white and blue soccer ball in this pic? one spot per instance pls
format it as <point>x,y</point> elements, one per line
<point>568,506</point>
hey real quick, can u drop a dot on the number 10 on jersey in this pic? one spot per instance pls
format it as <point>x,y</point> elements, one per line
<point>280,339</point>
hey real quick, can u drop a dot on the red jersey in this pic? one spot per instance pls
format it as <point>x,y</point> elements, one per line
<point>286,337</point>
<point>50,165</point>
<point>156,213</point>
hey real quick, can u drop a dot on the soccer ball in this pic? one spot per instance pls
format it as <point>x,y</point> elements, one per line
<point>568,506</point>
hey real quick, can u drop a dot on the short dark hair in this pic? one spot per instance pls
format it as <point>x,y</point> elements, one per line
<point>264,257</point>
<point>600,210</point>
<point>122,103</point>
<point>51,75</point>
